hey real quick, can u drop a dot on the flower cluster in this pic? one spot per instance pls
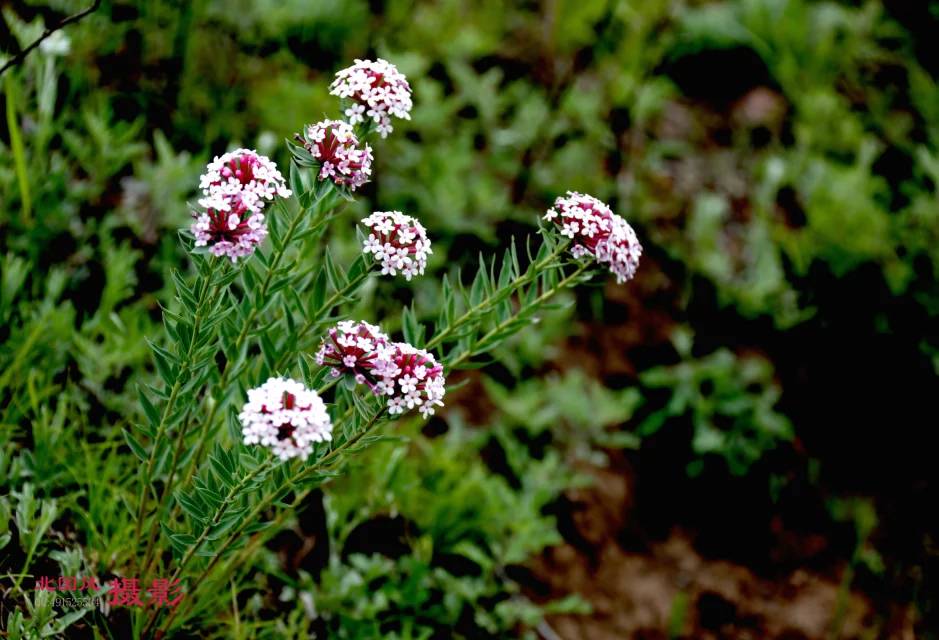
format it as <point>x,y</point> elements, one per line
<point>413,378</point>
<point>356,348</point>
<point>597,232</point>
<point>334,144</point>
<point>377,90</point>
<point>235,189</point>
<point>409,377</point>
<point>398,241</point>
<point>282,413</point>
<point>287,417</point>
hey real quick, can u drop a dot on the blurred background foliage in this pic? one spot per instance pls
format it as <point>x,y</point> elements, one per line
<point>776,357</point>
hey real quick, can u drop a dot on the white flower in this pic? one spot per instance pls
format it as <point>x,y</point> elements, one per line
<point>377,89</point>
<point>597,232</point>
<point>398,242</point>
<point>407,383</point>
<point>287,417</point>
<point>355,113</point>
<point>235,189</point>
<point>395,405</point>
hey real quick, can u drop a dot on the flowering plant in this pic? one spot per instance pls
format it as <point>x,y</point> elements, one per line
<point>260,335</point>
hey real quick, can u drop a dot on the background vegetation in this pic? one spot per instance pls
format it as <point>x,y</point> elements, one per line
<point>747,422</point>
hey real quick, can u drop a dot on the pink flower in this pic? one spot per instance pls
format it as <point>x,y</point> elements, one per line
<point>334,144</point>
<point>356,348</point>
<point>235,189</point>
<point>597,233</point>
<point>398,242</point>
<point>287,417</point>
<point>377,90</point>
<point>408,377</point>
<point>412,379</point>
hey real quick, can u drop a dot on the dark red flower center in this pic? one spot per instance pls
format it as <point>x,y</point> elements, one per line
<point>219,227</point>
<point>393,238</point>
<point>286,431</point>
<point>241,168</point>
<point>329,148</point>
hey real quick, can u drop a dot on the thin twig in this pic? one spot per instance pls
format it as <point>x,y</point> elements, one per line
<point>18,58</point>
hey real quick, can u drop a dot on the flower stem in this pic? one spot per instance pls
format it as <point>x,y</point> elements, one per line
<point>541,299</point>
<point>215,520</point>
<point>485,305</point>
<point>202,302</point>
<point>318,318</point>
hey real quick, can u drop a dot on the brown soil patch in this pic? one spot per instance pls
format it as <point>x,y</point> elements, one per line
<point>668,589</point>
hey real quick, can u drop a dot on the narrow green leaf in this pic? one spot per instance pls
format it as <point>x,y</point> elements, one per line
<point>412,329</point>
<point>153,416</point>
<point>336,279</point>
<point>359,267</point>
<point>135,445</point>
<point>192,507</point>
<point>318,296</point>
<point>295,185</point>
<point>479,287</point>
<point>164,363</point>
<point>224,526</point>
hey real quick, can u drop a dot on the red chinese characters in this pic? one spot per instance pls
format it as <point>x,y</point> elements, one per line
<point>121,592</point>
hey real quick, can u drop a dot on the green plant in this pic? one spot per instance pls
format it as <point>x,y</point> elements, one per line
<point>454,512</point>
<point>200,510</point>
<point>730,401</point>
<point>575,410</point>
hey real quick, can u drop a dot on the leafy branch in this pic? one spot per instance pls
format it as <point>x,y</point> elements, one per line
<point>319,471</point>
<point>269,285</point>
<point>536,286</point>
<point>182,372</point>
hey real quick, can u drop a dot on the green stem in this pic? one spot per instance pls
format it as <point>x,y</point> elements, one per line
<point>541,299</point>
<point>214,522</point>
<point>26,563</point>
<point>318,318</point>
<point>533,271</point>
<point>170,405</point>
<point>167,488</point>
<point>268,500</point>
